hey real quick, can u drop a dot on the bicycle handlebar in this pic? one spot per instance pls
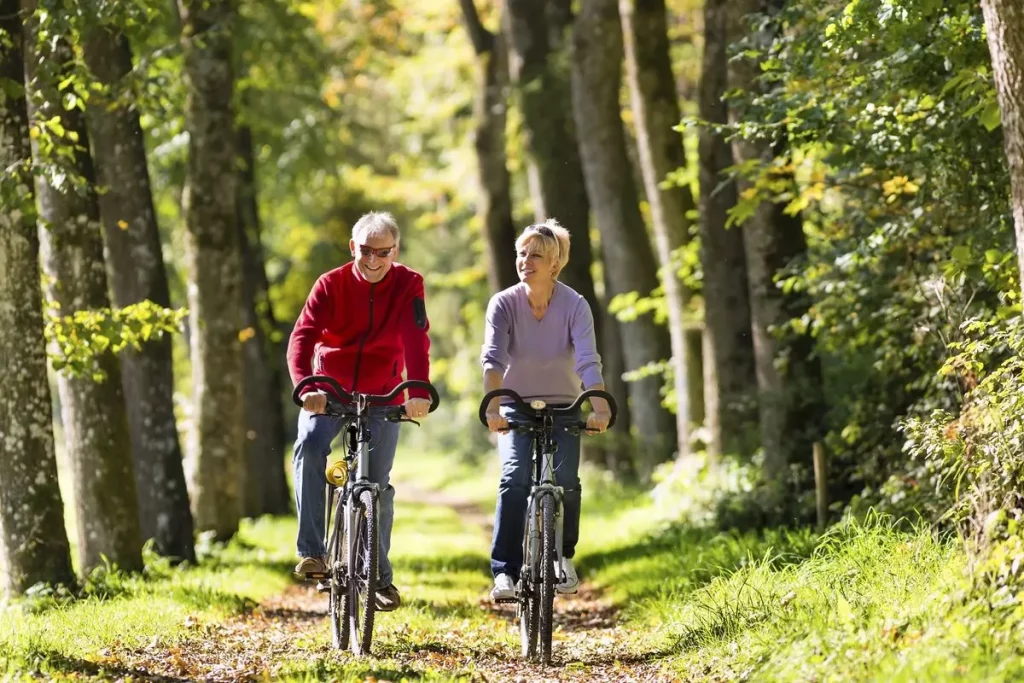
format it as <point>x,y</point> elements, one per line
<point>525,407</point>
<point>347,397</point>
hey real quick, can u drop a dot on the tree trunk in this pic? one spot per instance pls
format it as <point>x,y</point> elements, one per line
<point>491,104</point>
<point>93,413</point>
<point>136,268</point>
<point>1004,22</point>
<point>216,450</point>
<point>538,52</point>
<point>33,542</point>
<point>790,395</point>
<point>627,254</point>
<point>730,386</point>
<point>652,87</point>
<point>266,488</point>
<point>542,86</point>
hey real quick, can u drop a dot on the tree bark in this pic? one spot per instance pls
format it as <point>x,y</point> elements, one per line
<point>266,488</point>
<point>93,413</point>
<point>33,541</point>
<point>627,254</point>
<point>1004,23</point>
<point>491,104</point>
<point>216,451</point>
<point>136,268</point>
<point>652,87</point>
<point>544,97</point>
<point>538,53</point>
<point>730,387</point>
<point>790,394</point>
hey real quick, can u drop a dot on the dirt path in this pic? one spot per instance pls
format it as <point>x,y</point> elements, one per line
<point>590,642</point>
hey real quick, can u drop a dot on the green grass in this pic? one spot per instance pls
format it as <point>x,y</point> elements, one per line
<point>865,601</point>
<point>47,633</point>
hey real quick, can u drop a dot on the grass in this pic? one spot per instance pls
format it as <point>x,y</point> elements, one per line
<point>865,601</point>
<point>47,632</point>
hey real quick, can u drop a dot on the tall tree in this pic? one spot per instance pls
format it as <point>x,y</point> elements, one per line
<point>652,87</point>
<point>1004,23</point>
<point>93,413</point>
<point>266,488</point>
<point>136,268</point>
<point>491,104</point>
<point>626,249</point>
<point>216,451</point>
<point>33,542</point>
<point>730,386</point>
<point>790,396</point>
<point>543,94</point>
<point>538,55</point>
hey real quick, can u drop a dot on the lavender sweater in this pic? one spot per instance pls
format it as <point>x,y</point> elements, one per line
<point>546,358</point>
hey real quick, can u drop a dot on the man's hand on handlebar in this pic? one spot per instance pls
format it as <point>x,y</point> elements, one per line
<point>316,402</point>
<point>417,408</point>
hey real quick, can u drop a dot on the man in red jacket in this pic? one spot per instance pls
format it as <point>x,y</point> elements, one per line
<point>363,324</point>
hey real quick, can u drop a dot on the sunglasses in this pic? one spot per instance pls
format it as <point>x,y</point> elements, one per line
<point>366,251</point>
<point>541,229</point>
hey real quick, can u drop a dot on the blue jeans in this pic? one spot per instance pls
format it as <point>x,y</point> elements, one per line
<point>313,445</point>
<point>515,451</point>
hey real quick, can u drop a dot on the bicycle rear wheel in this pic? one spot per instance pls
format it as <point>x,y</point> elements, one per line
<point>547,577</point>
<point>362,585</point>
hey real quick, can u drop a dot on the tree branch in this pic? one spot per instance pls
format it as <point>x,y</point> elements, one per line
<point>483,40</point>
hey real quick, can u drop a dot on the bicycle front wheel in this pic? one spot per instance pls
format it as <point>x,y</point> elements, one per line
<point>362,584</point>
<point>338,604</point>
<point>528,596</point>
<point>547,576</point>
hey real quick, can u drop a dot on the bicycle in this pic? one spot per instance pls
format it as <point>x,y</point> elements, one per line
<point>542,539</point>
<point>352,545</point>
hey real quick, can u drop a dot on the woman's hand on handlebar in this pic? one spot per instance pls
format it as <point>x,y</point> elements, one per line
<point>598,420</point>
<point>417,408</point>
<point>315,402</point>
<point>496,422</point>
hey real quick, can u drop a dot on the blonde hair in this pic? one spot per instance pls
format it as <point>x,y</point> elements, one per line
<point>553,240</point>
<point>375,224</point>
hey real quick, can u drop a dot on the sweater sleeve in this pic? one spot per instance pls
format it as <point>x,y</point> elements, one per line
<point>415,340</point>
<point>306,333</point>
<point>497,330</point>
<point>584,342</point>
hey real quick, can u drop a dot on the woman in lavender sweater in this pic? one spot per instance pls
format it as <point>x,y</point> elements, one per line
<point>539,341</point>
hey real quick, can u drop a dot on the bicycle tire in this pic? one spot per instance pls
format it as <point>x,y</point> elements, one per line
<point>547,577</point>
<point>528,598</point>
<point>362,589</point>
<point>338,602</point>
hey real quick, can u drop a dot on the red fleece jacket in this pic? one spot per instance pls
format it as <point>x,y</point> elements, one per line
<point>363,335</point>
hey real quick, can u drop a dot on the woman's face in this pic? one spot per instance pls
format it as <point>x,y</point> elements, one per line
<point>532,265</point>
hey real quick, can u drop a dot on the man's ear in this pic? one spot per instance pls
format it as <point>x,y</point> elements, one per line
<point>352,247</point>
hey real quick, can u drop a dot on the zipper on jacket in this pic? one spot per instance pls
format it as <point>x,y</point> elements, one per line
<point>359,353</point>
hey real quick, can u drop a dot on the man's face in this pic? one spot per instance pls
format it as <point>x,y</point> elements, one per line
<point>374,256</point>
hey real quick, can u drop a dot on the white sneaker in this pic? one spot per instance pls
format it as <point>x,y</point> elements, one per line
<point>503,589</point>
<point>571,582</point>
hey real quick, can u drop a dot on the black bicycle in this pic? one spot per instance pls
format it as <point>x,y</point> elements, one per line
<point>542,539</point>
<point>352,544</point>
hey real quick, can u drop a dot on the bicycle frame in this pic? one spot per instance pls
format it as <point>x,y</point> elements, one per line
<point>357,434</point>
<point>544,450</point>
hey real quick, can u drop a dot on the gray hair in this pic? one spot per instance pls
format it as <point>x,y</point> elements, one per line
<point>375,224</point>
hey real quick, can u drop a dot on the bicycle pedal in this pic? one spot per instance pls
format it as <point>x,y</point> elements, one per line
<point>506,601</point>
<point>314,576</point>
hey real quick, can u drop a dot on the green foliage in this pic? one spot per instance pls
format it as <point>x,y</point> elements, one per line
<point>881,114</point>
<point>81,338</point>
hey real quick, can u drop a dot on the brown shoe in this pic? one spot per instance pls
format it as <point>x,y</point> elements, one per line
<point>311,565</point>
<point>388,598</point>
